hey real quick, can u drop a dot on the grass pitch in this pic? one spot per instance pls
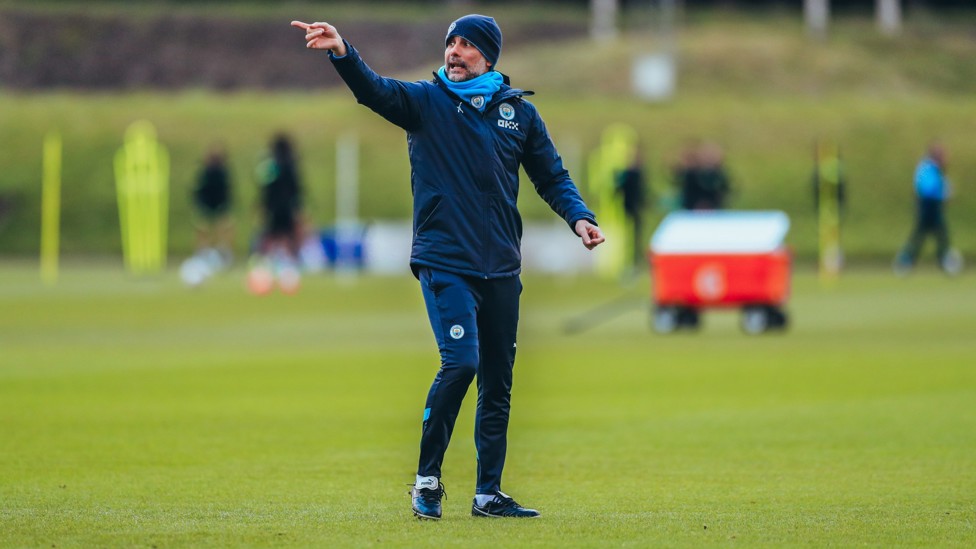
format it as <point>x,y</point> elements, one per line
<point>140,413</point>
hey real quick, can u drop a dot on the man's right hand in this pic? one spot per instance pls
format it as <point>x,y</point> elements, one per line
<point>322,36</point>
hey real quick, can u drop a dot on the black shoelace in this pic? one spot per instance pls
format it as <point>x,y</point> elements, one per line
<point>503,503</point>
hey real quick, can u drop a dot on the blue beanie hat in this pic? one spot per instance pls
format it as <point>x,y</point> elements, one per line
<point>482,32</point>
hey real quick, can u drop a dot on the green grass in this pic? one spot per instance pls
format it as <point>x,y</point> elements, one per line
<point>139,413</point>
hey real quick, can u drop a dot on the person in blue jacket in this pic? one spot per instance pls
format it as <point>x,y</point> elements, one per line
<point>468,131</point>
<point>931,191</point>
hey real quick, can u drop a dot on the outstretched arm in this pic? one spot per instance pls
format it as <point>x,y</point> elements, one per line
<point>390,98</point>
<point>591,234</point>
<point>322,36</point>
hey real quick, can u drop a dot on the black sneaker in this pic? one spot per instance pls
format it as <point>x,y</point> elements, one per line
<point>502,505</point>
<point>426,500</point>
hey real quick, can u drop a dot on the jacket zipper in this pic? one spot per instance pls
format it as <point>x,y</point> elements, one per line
<point>486,197</point>
<point>487,135</point>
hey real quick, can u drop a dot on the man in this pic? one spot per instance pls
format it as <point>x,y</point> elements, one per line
<point>631,188</point>
<point>212,198</point>
<point>468,132</point>
<point>281,200</point>
<point>931,191</point>
<point>713,180</point>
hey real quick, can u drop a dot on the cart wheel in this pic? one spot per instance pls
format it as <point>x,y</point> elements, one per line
<point>755,320</point>
<point>778,319</point>
<point>665,319</point>
<point>688,318</point>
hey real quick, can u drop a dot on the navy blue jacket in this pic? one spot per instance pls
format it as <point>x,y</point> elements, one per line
<point>464,169</point>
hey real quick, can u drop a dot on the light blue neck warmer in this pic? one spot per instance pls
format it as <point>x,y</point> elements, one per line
<point>476,92</point>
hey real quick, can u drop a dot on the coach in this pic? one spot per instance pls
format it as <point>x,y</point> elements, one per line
<point>468,132</point>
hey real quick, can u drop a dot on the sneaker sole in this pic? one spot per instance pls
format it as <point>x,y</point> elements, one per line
<point>421,516</point>
<point>481,514</point>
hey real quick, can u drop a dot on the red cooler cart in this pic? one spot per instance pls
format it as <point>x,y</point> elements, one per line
<point>720,259</point>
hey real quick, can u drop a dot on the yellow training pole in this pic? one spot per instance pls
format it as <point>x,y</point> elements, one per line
<point>828,214</point>
<point>50,208</point>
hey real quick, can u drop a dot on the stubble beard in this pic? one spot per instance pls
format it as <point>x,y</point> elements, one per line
<point>469,72</point>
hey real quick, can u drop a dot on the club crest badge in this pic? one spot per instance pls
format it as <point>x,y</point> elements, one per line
<point>506,111</point>
<point>451,28</point>
<point>457,332</point>
<point>478,101</point>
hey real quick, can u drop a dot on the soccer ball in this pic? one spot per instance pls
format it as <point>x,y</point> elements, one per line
<point>260,280</point>
<point>289,279</point>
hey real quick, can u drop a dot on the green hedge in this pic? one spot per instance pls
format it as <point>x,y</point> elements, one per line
<point>768,147</point>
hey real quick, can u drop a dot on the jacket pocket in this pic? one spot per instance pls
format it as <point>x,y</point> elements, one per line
<point>427,212</point>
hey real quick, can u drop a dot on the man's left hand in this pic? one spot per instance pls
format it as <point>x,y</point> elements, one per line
<point>591,235</point>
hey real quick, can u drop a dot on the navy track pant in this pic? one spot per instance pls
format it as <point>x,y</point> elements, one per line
<point>930,219</point>
<point>475,323</point>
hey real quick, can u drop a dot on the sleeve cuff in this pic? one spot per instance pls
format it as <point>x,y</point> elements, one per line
<point>572,223</point>
<point>583,216</point>
<point>334,57</point>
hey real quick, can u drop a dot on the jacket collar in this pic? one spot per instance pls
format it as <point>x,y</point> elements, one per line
<point>506,91</point>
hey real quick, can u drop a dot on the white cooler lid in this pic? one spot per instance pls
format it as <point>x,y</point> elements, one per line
<point>688,232</point>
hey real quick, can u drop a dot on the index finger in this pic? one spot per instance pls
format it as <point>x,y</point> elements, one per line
<point>300,25</point>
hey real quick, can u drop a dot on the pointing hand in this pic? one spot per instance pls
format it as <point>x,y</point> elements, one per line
<point>322,36</point>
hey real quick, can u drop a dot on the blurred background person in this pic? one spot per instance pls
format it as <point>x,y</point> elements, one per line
<point>212,197</point>
<point>712,186</point>
<point>932,189</point>
<point>281,200</point>
<point>632,189</point>
<point>282,233</point>
<point>684,176</point>
<point>701,177</point>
